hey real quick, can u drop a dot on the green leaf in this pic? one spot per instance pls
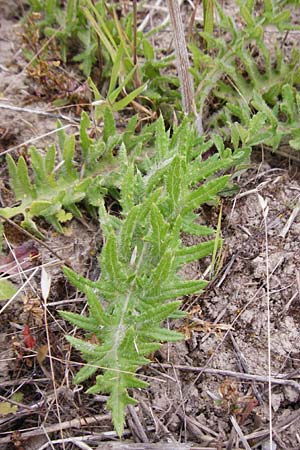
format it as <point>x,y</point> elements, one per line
<point>101,29</point>
<point>50,159</point>
<point>162,139</point>
<point>24,181</point>
<point>127,199</point>
<point>148,50</point>
<point>158,313</point>
<point>30,226</point>
<point>7,408</point>
<point>173,182</point>
<point>204,193</point>
<point>159,229</point>
<point>115,72</point>
<point>121,104</point>
<point>86,323</point>
<point>7,289</point>
<point>295,143</point>
<point>1,235</point>
<point>109,124</point>
<point>179,290</point>
<point>85,140</point>
<point>162,334</point>
<point>38,208</point>
<point>83,346</point>
<point>260,105</point>
<point>14,180</point>
<point>188,254</point>
<point>197,230</point>
<point>86,372</point>
<point>110,262</point>
<point>61,134</point>
<point>62,216</point>
<point>117,404</point>
<point>127,233</point>
<point>68,154</point>
<point>161,273</point>
<point>97,311</point>
<point>39,166</point>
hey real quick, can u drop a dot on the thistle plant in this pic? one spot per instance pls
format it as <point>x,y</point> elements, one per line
<point>140,286</point>
<point>243,85</point>
<point>57,183</point>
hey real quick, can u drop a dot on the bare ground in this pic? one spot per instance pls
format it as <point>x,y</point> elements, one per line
<point>210,391</point>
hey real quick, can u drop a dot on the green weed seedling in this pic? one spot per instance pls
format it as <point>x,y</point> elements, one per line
<point>141,257</point>
<point>69,27</point>
<point>159,181</point>
<point>107,43</point>
<point>58,183</point>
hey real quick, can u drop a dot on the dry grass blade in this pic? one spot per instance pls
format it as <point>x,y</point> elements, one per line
<point>240,433</point>
<point>146,446</point>
<point>265,210</point>
<point>39,112</point>
<point>290,221</point>
<point>35,139</point>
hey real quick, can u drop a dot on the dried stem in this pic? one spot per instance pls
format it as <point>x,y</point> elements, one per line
<point>183,65</point>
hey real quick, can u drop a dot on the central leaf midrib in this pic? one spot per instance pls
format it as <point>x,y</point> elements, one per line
<point>121,328</point>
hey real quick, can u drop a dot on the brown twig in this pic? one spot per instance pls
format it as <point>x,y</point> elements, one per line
<point>138,428</point>
<point>30,141</point>
<point>40,113</point>
<point>230,373</point>
<point>279,427</point>
<point>147,446</point>
<point>74,423</point>
<point>243,365</point>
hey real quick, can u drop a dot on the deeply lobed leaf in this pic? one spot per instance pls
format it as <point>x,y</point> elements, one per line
<point>141,259</point>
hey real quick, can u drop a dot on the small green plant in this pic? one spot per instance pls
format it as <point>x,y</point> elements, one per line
<point>243,77</point>
<point>58,182</point>
<point>68,26</point>
<point>159,178</point>
<point>141,258</point>
<point>54,183</point>
<point>106,51</point>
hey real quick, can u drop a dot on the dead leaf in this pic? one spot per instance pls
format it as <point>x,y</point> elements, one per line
<point>33,307</point>
<point>20,257</point>
<point>42,353</point>
<point>28,339</point>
